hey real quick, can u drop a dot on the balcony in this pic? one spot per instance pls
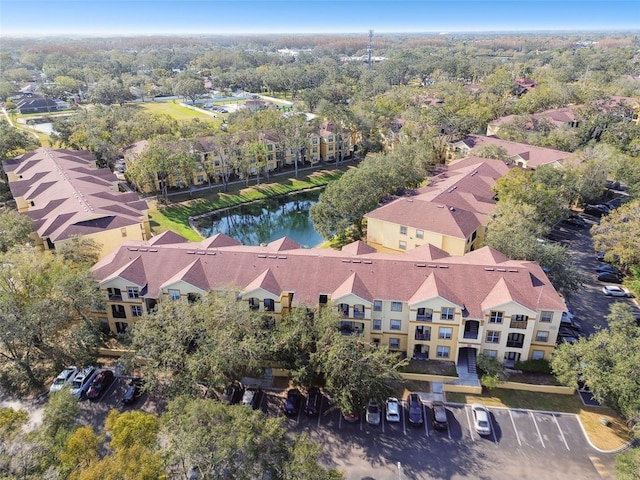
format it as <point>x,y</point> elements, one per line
<point>522,325</point>
<point>424,318</point>
<point>471,328</point>
<point>358,314</point>
<point>114,296</point>
<point>515,343</point>
<point>423,336</point>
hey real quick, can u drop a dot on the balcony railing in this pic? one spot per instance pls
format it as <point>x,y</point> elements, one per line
<point>517,324</point>
<point>514,344</point>
<point>423,336</point>
<point>358,314</point>
<point>470,335</point>
<point>424,318</point>
<point>115,297</point>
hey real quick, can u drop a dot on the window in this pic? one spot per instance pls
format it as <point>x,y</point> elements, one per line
<point>133,292</point>
<point>136,310</point>
<point>118,311</point>
<point>445,333</point>
<point>344,309</point>
<point>546,317</point>
<point>402,245</point>
<point>493,336</point>
<point>442,351</point>
<point>315,149</point>
<point>358,311</point>
<point>269,305</point>
<point>254,303</point>
<point>496,317</point>
<point>403,230</point>
<point>377,325</point>
<point>513,356</point>
<point>376,342</point>
<point>315,141</point>
<point>424,314</point>
<point>446,313</point>
<point>394,343</point>
<point>323,299</point>
<point>419,233</point>
<point>542,336</point>
<point>330,139</point>
<point>121,327</point>
<point>490,353</point>
<point>123,232</point>
<point>537,355</point>
<point>377,305</point>
<point>396,306</point>
<point>174,294</point>
<point>396,324</point>
<point>200,178</point>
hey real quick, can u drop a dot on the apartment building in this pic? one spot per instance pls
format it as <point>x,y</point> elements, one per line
<point>424,303</point>
<point>65,195</point>
<point>451,213</point>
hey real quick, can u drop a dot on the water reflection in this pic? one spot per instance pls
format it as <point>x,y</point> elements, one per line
<point>266,221</point>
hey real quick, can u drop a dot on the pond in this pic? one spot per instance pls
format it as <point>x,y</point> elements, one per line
<point>268,220</point>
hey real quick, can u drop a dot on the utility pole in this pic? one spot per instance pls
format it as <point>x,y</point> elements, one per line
<point>370,49</point>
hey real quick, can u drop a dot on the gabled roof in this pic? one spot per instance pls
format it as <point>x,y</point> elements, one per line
<point>69,196</point>
<point>218,240</point>
<point>358,248</point>
<point>466,281</point>
<point>192,274</point>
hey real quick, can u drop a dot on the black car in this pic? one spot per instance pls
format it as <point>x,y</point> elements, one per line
<point>313,402</point>
<point>133,391</point>
<point>605,267</point>
<point>440,421</point>
<point>416,413</point>
<point>610,277</point>
<point>596,210</point>
<point>232,394</point>
<point>293,402</point>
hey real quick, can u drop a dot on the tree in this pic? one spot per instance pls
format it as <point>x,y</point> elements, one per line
<point>355,371</point>
<point>110,92</point>
<point>606,361</point>
<point>618,235</point>
<point>14,229</point>
<point>185,343</point>
<point>14,142</point>
<point>493,372</point>
<point>189,85</point>
<point>34,284</point>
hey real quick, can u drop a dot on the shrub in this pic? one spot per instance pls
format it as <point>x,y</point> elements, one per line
<point>534,366</point>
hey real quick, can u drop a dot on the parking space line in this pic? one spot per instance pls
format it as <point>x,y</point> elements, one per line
<point>404,421</point>
<point>514,427</point>
<point>466,411</point>
<point>537,429</point>
<point>426,421</point>
<point>555,418</point>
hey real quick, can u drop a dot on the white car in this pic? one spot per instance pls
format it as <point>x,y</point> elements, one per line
<point>373,414</point>
<point>393,410</point>
<point>616,291</point>
<point>481,421</point>
<point>82,380</point>
<point>63,379</point>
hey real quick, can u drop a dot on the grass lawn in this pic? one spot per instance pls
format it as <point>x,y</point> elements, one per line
<point>175,216</point>
<point>604,437</point>
<point>175,110</point>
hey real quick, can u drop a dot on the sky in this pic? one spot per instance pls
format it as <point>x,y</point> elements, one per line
<point>177,17</point>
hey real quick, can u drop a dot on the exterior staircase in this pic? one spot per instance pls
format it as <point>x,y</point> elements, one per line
<point>471,361</point>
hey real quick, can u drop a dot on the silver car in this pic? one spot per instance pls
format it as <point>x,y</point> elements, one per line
<point>481,421</point>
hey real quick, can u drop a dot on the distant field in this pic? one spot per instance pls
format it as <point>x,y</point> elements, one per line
<point>175,110</point>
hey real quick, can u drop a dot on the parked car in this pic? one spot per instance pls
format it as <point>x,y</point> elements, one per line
<point>232,393</point>
<point>596,210</point>
<point>605,267</point>
<point>293,402</point>
<point>481,421</point>
<point>133,391</point>
<point>609,277</point>
<point>393,410</point>
<point>373,413</point>
<point>82,380</point>
<point>616,291</point>
<point>252,396</point>
<point>313,402</point>
<point>63,379</point>
<point>575,221</point>
<point>99,384</point>
<point>440,421</point>
<point>351,417</point>
<point>416,412</point>
<point>571,323</point>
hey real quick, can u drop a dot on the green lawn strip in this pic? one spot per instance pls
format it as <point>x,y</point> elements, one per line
<point>503,397</point>
<point>176,216</point>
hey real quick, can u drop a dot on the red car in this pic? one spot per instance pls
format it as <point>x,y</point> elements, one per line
<point>99,384</point>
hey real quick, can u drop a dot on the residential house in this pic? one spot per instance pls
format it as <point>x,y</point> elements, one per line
<point>520,154</point>
<point>65,195</point>
<point>451,213</point>
<point>335,143</point>
<point>40,105</point>
<point>560,117</point>
<point>424,303</point>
